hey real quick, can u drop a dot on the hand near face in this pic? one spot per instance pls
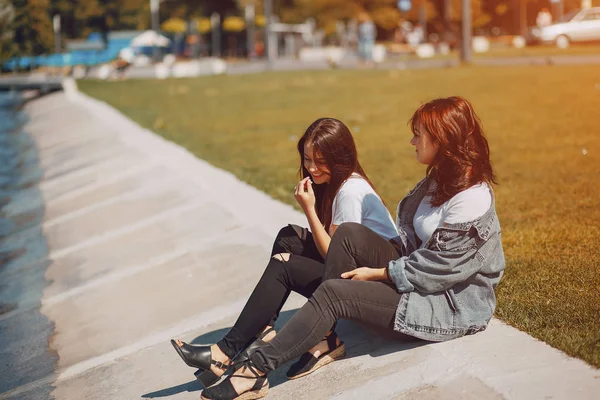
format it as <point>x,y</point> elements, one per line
<point>304,194</point>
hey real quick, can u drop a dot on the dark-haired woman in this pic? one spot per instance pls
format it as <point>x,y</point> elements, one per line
<point>435,281</point>
<point>334,190</point>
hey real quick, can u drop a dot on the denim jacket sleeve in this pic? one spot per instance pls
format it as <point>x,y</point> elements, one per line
<point>450,257</point>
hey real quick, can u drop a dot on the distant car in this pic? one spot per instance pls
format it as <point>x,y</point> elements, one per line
<point>577,26</point>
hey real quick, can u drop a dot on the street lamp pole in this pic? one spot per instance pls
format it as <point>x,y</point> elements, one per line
<point>56,26</point>
<point>522,17</point>
<point>465,52</point>
<point>561,9</point>
<point>447,25</point>
<point>154,17</point>
<point>557,9</point>
<point>215,25</point>
<point>270,43</point>
<point>250,17</point>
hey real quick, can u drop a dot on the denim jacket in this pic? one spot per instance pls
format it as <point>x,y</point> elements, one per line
<point>448,285</point>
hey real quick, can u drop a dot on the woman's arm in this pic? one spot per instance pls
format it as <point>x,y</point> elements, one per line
<point>320,236</point>
<point>368,274</point>
<point>452,257</point>
<point>305,196</point>
<point>431,271</point>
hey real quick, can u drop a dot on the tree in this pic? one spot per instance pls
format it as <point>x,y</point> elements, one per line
<point>7,16</point>
<point>133,14</point>
<point>206,7</point>
<point>99,15</point>
<point>327,12</point>
<point>32,28</point>
<point>384,13</point>
<point>79,18</point>
<point>286,10</point>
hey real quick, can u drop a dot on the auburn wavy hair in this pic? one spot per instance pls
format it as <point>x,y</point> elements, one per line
<point>333,142</point>
<point>463,157</point>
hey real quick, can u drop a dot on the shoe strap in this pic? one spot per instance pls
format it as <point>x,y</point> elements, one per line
<point>250,365</point>
<point>331,340</point>
<point>260,382</point>
<point>219,364</point>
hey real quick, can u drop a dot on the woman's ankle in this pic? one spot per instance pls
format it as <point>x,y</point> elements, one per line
<point>323,346</point>
<point>218,354</point>
<point>248,372</point>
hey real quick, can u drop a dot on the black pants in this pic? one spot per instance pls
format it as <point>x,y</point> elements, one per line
<point>374,303</point>
<point>302,273</point>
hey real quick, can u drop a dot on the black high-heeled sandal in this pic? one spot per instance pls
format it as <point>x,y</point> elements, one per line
<point>308,363</point>
<point>226,391</point>
<point>200,357</point>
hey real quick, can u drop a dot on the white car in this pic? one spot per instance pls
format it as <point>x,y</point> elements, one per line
<point>577,26</point>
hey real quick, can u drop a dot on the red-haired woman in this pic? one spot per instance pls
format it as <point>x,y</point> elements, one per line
<point>435,281</point>
<point>334,190</point>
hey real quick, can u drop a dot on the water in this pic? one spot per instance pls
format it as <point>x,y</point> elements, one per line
<point>25,360</point>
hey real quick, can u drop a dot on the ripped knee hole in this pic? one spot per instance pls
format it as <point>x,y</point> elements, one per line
<point>283,257</point>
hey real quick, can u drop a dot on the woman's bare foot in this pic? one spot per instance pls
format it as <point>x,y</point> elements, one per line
<point>216,355</point>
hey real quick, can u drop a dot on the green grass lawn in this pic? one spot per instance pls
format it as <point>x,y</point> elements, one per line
<point>543,124</point>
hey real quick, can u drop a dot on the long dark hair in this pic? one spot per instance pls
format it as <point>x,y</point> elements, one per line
<point>463,157</point>
<point>333,142</point>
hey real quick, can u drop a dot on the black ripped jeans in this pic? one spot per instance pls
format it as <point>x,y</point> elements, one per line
<point>302,273</point>
<point>374,303</point>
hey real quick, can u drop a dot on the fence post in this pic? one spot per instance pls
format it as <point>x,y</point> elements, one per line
<point>465,51</point>
<point>215,25</point>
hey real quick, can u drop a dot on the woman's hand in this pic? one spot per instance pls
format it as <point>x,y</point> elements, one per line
<point>304,194</point>
<point>366,274</point>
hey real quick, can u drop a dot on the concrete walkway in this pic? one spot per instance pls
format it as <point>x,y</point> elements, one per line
<point>149,243</point>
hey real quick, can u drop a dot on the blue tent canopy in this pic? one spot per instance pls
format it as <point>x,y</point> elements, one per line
<point>116,42</point>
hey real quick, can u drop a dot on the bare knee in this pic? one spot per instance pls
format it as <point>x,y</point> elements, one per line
<point>283,257</point>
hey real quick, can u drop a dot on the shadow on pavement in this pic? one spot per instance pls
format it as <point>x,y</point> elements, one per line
<point>360,340</point>
<point>192,386</point>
